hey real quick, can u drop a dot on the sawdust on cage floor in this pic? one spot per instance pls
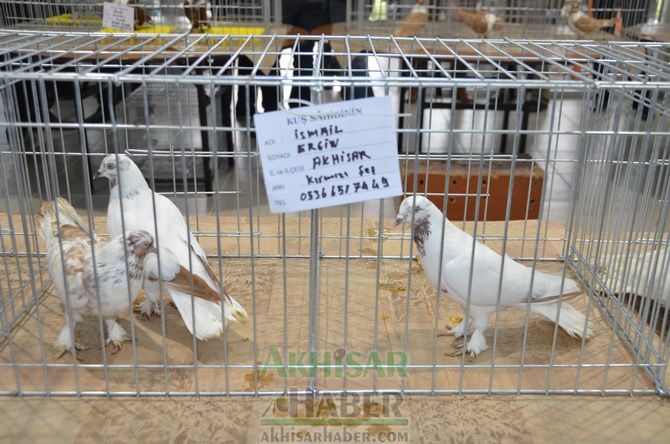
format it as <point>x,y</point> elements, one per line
<point>407,322</point>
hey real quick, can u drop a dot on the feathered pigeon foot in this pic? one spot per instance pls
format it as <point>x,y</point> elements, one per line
<point>116,336</point>
<point>148,308</point>
<point>65,342</point>
<point>474,347</point>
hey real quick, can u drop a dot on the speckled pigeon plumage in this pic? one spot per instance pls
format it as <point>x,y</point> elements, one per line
<point>70,253</point>
<point>583,24</point>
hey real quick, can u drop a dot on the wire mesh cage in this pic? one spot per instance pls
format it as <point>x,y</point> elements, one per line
<point>151,16</point>
<point>518,19</point>
<point>552,152</point>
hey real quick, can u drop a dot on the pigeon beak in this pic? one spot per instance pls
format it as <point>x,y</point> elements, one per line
<point>152,249</point>
<point>96,175</point>
<point>398,221</point>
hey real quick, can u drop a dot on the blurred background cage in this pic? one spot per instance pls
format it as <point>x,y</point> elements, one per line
<point>220,16</point>
<point>553,152</point>
<point>533,19</point>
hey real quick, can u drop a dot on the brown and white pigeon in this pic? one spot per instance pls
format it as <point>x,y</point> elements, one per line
<point>414,22</point>
<point>184,267</point>
<point>481,22</point>
<point>583,24</point>
<point>70,251</point>
<point>458,261</point>
<point>141,16</point>
<point>196,11</point>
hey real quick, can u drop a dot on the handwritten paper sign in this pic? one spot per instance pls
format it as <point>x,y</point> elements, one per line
<point>118,17</point>
<point>326,155</point>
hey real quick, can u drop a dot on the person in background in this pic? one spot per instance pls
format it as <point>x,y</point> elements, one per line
<point>306,17</point>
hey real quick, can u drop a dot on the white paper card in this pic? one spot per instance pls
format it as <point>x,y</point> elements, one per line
<point>326,155</point>
<point>118,17</point>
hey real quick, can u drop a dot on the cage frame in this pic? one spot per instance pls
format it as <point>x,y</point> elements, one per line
<point>612,78</point>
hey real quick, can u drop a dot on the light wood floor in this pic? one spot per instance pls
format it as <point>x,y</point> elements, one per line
<point>444,419</point>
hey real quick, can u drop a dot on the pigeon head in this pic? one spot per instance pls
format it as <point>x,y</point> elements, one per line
<point>497,24</point>
<point>113,166</point>
<point>569,7</point>
<point>421,208</point>
<point>140,243</point>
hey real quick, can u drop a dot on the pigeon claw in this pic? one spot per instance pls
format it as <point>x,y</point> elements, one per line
<point>470,355</point>
<point>116,347</point>
<point>148,308</point>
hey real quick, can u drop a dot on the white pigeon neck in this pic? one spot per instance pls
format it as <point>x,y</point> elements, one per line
<point>131,185</point>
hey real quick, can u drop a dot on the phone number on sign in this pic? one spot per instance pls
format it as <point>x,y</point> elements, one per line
<point>341,190</point>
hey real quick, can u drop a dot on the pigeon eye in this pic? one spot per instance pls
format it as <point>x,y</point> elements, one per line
<point>110,166</point>
<point>416,209</point>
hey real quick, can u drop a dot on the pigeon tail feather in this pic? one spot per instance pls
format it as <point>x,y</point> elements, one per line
<point>66,215</point>
<point>234,311</point>
<point>207,315</point>
<point>45,227</point>
<point>549,289</point>
<point>570,319</point>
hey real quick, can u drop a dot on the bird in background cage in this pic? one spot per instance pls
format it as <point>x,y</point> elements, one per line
<point>457,262</point>
<point>198,12</point>
<point>643,278</point>
<point>184,267</point>
<point>414,22</point>
<point>481,22</point>
<point>582,24</point>
<point>141,16</point>
<point>78,283</point>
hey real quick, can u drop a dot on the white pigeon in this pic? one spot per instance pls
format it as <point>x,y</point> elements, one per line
<point>70,261</point>
<point>646,275</point>
<point>427,221</point>
<point>186,262</point>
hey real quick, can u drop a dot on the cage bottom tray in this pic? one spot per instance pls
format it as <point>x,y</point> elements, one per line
<point>363,331</point>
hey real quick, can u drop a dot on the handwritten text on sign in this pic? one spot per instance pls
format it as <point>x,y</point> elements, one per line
<point>326,155</point>
<point>118,17</point>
